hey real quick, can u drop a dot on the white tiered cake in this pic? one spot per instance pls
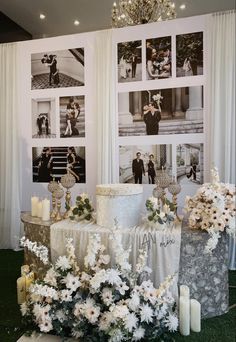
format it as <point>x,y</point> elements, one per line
<point>120,202</point>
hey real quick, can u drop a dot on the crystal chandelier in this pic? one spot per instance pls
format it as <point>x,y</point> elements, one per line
<point>136,12</point>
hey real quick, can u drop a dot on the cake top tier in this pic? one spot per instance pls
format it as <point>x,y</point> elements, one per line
<point>118,189</point>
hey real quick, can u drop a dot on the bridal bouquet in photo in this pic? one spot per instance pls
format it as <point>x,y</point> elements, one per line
<point>101,303</point>
<point>212,209</point>
<point>159,216</point>
<point>83,210</point>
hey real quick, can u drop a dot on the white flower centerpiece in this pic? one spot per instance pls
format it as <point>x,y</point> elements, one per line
<point>159,216</point>
<point>83,210</point>
<point>212,209</point>
<point>100,303</point>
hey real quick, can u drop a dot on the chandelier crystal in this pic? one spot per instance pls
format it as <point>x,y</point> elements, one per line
<point>136,12</point>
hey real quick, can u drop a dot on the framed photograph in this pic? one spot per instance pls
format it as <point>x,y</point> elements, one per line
<point>142,164</point>
<point>57,69</point>
<point>190,164</point>
<point>72,116</point>
<point>43,116</point>
<point>189,54</point>
<point>158,58</point>
<point>161,111</point>
<point>130,61</point>
<point>54,162</point>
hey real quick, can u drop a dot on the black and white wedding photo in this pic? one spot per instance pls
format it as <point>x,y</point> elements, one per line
<point>190,161</point>
<point>54,162</point>
<point>54,69</point>
<point>189,54</point>
<point>161,112</point>
<point>158,58</point>
<point>142,164</point>
<point>72,116</point>
<point>130,61</point>
<point>43,118</point>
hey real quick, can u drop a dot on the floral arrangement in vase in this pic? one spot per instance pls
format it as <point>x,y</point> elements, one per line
<point>212,209</point>
<point>159,215</point>
<point>101,303</point>
<point>83,210</point>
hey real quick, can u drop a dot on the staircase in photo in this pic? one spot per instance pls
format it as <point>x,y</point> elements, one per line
<point>59,155</point>
<point>80,124</point>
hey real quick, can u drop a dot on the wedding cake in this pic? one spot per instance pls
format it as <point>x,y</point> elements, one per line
<point>120,203</point>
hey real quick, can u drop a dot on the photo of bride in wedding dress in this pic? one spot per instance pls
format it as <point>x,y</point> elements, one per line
<point>130,61</point>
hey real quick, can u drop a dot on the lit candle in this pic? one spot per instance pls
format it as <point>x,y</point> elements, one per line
<point>46,210</point>
<point>184,291</point>
<point>25,269</point>
<point>39,209</point>
<point>184,316</point>
<point>21,290</point>
<point>34,205</point>
<point>165,208</point>
<point>195,310</point>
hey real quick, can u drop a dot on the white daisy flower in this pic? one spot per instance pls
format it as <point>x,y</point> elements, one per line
<point>107,296</point>
<point>66,296</point>
<point>72,282</point>
<point>46,326</point>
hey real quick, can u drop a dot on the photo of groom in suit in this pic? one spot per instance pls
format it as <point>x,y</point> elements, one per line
<point>138,169</point>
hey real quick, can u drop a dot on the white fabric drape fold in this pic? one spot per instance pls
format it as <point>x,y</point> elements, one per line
<point>106,102</point>
<point>221,28</point>
<point>9,149</point>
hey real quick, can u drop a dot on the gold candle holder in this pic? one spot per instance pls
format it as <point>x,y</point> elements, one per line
<point>67,181</point>
<point>52,187</point>
<point>59,193</point>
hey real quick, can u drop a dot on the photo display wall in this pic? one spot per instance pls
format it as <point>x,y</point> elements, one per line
<point>161,110</point>
<point>57,114</point>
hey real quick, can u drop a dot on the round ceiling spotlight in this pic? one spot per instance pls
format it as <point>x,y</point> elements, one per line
<point>182,7</point>
<point>42,16</point>
<point>76,22</point>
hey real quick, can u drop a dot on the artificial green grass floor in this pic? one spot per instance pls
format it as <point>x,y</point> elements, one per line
<point>218,329</point>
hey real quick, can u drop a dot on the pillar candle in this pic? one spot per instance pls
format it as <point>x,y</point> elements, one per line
<point>29,279</point>
<point>25,269</point>
<point>34,206</point>
<point>21,290</point>
<point>39,209</point>
<point>184,316</point>
<point>184,291</point>
<point>195,310</point>
<point>46,210</point>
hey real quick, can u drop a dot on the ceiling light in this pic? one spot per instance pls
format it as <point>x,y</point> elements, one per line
<point>76,22</point>
<point>42,16</point>
<point>182,7</point>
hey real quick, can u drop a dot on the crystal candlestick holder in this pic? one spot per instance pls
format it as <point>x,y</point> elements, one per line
<point>157,193</point>
<point>67,181</point>
<point>59,193</point>
<point>174,188</point>
<point>163,181</point>
<point>52,187</point>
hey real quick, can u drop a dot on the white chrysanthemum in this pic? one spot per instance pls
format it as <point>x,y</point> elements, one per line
<point>72,282</point>
<point>119,310</point>
<point>63,263</point>
<point>134,302</point>
<point>146,313</point>
<point>99,278</point>
<point>116,335</point>
<point>65,296</point>
<point>171,322</point>
<point>113,277</point>
<point>44,291</point>
<point>131,321</point>
<point>51,277</point>
<point>24,309</point>
<point>138,334</point>
<point>107,296</point>
<point>105,321</point>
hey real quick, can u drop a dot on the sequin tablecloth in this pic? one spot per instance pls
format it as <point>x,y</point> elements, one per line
<point>163,246</point>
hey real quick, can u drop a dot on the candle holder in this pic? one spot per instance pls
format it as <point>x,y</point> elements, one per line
<point>174,188</point>
<point>52,187</point>
<point>157,193</point>
<point>59,193</point>
<point>67,181</point>
<point>163,181</point>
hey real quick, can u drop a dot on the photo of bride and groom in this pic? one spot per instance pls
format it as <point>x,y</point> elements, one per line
<point>72,116</point>
<point>130,61</point>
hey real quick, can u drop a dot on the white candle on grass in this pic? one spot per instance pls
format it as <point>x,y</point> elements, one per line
<point>46,210</point>
<point>195,314</point>
<point>34,206</point>
<point>40,209</point>
<point>184,316</point>
<point>184,291</point>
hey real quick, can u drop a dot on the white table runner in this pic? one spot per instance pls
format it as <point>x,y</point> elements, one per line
<point>163,246</point>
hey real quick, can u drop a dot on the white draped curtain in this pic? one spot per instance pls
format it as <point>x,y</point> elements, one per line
<point>221,28</point>
<point>9,149</point>
<point>105,108</point>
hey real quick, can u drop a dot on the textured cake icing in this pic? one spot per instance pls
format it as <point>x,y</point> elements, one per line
<point>121,202</point>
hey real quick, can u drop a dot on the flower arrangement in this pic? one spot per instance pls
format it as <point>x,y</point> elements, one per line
<point>83,210</point>
<point>159,216</point>
<point>39,250</point>
<point>100,303</point>
<point>212,209</point>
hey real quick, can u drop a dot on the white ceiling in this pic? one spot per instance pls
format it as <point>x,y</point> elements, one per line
<point>92,14</point>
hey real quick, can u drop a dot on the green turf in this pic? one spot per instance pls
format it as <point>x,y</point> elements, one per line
<point>218,329</point>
